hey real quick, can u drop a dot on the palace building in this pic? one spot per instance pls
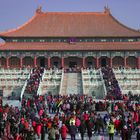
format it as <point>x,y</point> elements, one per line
<point>71,39</point>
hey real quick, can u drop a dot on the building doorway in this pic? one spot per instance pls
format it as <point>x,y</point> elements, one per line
<point>42,62</point>
<point>103,62</point>
<point>89,64</point>
<point>72,64</point>
<point>55,64</point>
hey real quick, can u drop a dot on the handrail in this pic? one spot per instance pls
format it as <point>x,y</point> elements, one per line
<point>39,87</point>
<point>62,79</point>
<point>103,82</point>
<point>24,87</point>
<point>83,82</point>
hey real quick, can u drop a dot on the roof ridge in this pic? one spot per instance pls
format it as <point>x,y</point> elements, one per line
<point>74,13</point>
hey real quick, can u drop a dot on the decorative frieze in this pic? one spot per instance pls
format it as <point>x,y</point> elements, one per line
<point>117,53</point>
<point>86,54</point>
<point>46,54</point>
<point>103,53</point>
<point>55,54</point>
<point>73,54</point>
<point>132,53</point>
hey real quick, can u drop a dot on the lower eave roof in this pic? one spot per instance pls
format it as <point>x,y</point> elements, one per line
<point>87,46</point>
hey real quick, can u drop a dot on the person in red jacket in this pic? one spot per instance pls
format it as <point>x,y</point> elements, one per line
<point>19,137</point>
<point>117,125</point>
<point>64,132</point>
<point>38,129</point>
<point>86,116</point>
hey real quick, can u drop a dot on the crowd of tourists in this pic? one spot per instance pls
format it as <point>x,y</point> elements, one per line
<point>54,117</point>
<point>111,83</point>
<point>34,80</point>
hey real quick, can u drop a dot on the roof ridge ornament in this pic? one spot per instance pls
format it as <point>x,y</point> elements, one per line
<point>39,10</point>
<point>107,10</point>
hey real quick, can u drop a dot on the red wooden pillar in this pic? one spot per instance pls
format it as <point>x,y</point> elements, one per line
<point>110,62</point>
<point>97,62</point>
<point>21,62</point>
<point>62,62</point>
<point>125,65</point>
<point>138,62</point>
<point>83,61</point>
<point>49,62</point>
<point>7,62</point>
<point>35,61</point>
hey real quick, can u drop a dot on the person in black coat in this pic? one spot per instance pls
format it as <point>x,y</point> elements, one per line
<point>89,126</point>
<point>82,129</point>
<point>72,131</point>
<point>138,132</point>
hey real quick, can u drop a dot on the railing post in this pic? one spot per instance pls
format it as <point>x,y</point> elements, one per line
<point>83,81</point>
<point>103,82</point>
<point>62,78</point>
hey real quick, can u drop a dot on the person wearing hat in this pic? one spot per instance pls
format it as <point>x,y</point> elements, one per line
<point>111,130</point>
<point>124,133</point>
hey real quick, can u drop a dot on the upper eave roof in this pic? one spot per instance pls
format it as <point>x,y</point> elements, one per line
<point>72,24</point>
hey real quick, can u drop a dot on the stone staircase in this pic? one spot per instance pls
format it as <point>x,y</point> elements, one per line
<point>93,83</point>
<point>112,86</point>
<point>72,84</point>
<point>64,84</point>
<point>29,93</point>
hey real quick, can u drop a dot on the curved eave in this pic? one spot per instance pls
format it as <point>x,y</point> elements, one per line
<point>106,46</point>
<point>121,24</point>
<point>6,33</point>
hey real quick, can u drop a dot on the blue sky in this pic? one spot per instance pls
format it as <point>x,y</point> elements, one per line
<point>14,13</point>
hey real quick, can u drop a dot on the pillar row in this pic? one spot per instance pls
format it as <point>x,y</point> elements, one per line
<point>110,61</point>
<point>62,62</point>
<point>83,62</point>
<point>35,62</point>
<point>97,62</point>
<point>125,64</point>
<point>49,62</point>
<point>138,62</point>
<point>7,62</point>
<point>21,62</point>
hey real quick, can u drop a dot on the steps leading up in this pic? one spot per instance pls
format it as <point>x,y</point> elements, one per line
<point>93,84</point>
<point>72,84</point>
